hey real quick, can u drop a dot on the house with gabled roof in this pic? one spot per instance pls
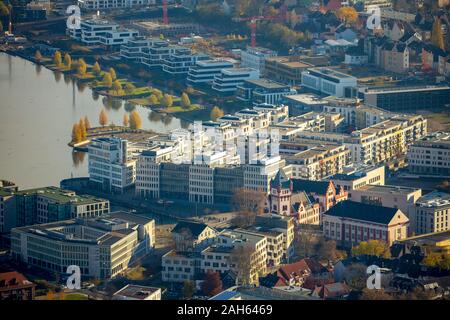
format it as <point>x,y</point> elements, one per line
<point>189,235</point>
<point>350,223</point>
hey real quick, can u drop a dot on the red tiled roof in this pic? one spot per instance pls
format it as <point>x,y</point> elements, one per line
<point>13,279</point>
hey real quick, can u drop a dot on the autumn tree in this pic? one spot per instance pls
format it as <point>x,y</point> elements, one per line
<point>82,128</point>
<point>185,101</point>
<point>135,120</point>
<point>347,14</point>
<point>38,56</point>
<point>241,258</point>
<point>103,118</point>
<point>96,68</point>
<point>355,276</point>
<point>113,74</point>
<point>81,67</point>
<point>188,289</point>
<point>153,99</point>
<point>375,294</point>
<point>129,88</point>
<point>216,113</point>
<point>372,248</point>
<point>107,80</point>
<point>212,284</point>
<point>326,250</point>
<point>50,295</point>
<point>167,100</point>
<point>437,37</point>
<point>68,61</point>
<point>247,204</point>
<point>76,133</point>
<point>87,123</point>
<point>304,244</point>
<point>117,86</point>
<point>126,120</point>
<point>57,60</point>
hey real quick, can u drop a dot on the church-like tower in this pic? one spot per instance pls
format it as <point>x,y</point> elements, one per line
<point>280,194</point>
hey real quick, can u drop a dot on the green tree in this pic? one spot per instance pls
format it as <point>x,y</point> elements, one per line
<point>216,113</point>
<point>185,101</point>
<point>38,56</point>
<point>68,61</point>
<point>96,69</point>
<point>57,59</point>
<point>135,120</point>
<point>113,74</point>
<point>107,80</point>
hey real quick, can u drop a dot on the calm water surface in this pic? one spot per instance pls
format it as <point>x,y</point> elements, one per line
<point>37,111</point>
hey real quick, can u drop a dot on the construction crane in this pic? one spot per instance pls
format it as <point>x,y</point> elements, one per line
<point>281,17</point>
<point>253,21</point>
<point>165,15</point>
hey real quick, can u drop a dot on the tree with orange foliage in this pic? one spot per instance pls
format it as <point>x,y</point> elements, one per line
<point>76,133</point>
<point>87,124</point>
<point>135,120</point>
<point>347,14</point>
<point>103,118</point>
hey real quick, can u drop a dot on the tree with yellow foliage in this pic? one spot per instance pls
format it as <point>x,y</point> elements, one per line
<point>81,67</point>
<point>372,248</point>
<point>347,14</point>
<point>107,80</point>
<point>87,123</point>
<point>126,120</point>
<point>67,61</point>
<point>50,295</point>
<point>57,59</point>
<point>76,133</point>
<point>113,74</point>
<point>135,120</point>
<point>103,118</point>
<point>216,113</point>
<point>117,87</point>
<point>82,129</point>
<point>96,69</point>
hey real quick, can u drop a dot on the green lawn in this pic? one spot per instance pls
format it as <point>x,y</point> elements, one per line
<point>137,273</point>
<point>175,109</point>
<point>75,296</point>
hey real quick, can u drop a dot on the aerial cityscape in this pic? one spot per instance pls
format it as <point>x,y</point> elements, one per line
<point>218,150</point>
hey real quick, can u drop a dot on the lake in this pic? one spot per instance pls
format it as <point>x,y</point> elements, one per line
<point>37,111</point>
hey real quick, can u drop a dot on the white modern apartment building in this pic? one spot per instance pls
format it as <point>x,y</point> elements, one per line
<point>112,164</point>
<point>204,71</point>
<point>356,176</point>
<point>180,60</point>
<point>431,213</point>
<point>328,81</point>
<point>430,156</point>
<point>387,140</point>
<point>137,49</point>
<point>229,79</point>
<point>103,247</point>
<point>255,58</point>
<point>7,206</point>
<point>101,32</point>
<point>113,4</point>
<point>157,53</point>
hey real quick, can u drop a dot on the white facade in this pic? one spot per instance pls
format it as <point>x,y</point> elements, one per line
<point>112,4</point>
<point>137,48</point>
<point>204,71</point>
<point>101,32</point>
<point>229,79</point>
<point>255,58</point>
<point>111,164</point>
<point>102,247</point>
<point>328,81</point>
<point>180,60</point>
